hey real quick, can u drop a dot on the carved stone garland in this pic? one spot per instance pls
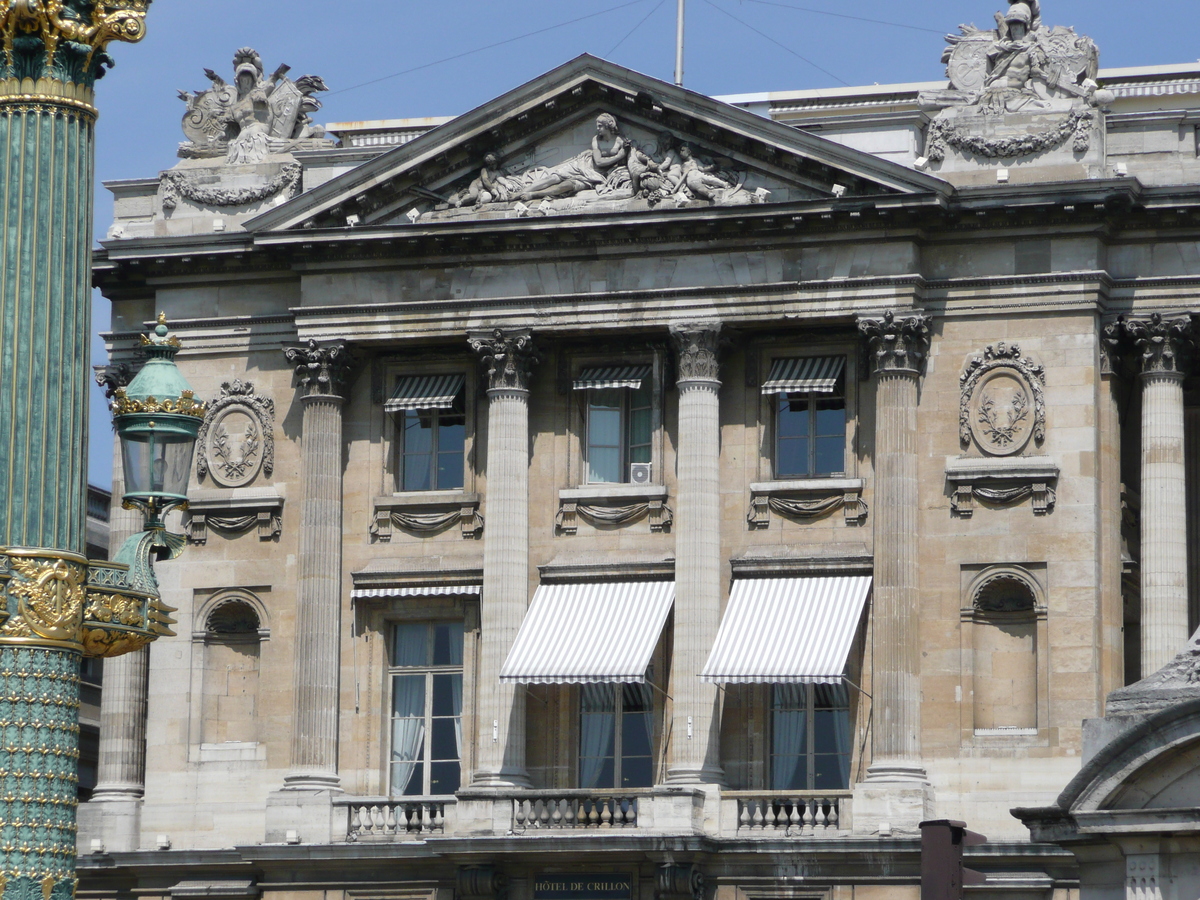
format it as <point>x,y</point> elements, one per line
<point>1002,404</point>
<point>1077,123</point>
<point>234,459</point>
<point>176,184</point>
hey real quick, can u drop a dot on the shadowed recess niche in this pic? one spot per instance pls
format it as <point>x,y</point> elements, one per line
<point>228,641</point>
<point>1004,652</point>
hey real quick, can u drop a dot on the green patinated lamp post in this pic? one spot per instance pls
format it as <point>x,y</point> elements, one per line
<point>55,605</point>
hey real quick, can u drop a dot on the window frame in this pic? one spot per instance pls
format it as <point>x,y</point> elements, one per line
<point>626,446</point>
<point>767,452</point>
<point>810,735</point>
<point>618,712</point>
<point>811,437</point>
<point>428,671</point>
<point>579,411</point>
<point>393,437</point>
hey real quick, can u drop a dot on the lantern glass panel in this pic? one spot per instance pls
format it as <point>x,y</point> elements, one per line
<point>156,463</point>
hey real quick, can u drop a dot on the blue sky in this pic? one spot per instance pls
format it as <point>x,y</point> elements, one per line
<point>733,46</point>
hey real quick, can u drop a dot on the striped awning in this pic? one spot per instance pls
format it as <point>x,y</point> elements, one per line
<point>589,633</point>
<point>804,375</point>
<point>426,392</point>
<point>429,590</point>
<point>788,630</point>
<point>612,377</point>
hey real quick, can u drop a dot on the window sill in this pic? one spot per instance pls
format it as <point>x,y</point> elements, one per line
<point>613,505</point>
<point>234,512</point>
<point>806,499</point>
<point>425,513</point>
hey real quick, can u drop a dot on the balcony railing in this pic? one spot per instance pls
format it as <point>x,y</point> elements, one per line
<point>383,819</point>
<point>574,809</point>
<point>794,814</point>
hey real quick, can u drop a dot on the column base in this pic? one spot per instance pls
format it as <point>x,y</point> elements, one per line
<point>304,816</point>
<point>313,781</point>
<point>692,775</point>
<point>115,821</point>
<point>894,800</point>
<point>505,778</point>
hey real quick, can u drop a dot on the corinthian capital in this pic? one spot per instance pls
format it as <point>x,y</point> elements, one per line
<point>322,370</point>
<point>696,349</point>
<point>1163,344</point>
<point>508,357</point>
<point>896,343</point>
<point>65,42</point>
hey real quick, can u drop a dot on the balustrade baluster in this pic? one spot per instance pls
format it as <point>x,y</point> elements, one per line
<point>832,818</point>
<point>808,818</point>
<point>355,825</point>
<point>570,820</point>
<point>759,819</point>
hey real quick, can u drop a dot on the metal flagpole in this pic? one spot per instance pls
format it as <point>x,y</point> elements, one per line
<point>679,46</point>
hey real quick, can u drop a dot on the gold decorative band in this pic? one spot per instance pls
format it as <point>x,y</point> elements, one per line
<point>186,405</point>
<point>31,95</point>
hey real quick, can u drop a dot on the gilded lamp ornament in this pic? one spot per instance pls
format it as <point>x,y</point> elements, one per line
<point>106,608</point>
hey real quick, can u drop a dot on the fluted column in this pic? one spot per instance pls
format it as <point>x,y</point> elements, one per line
<point>898,346</point>
<point>322,371</point>
<point>122,764</point>
<point>695,729</point>
<point>1162,344</point>
<point>508,357</point>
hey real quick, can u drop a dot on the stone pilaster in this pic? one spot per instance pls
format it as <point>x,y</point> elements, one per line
<point>897,348</point>
<point>508,358</point>
<point>322,372</point>
<point>122,766</point>
<point>1110,627</point>
<point>695,729</point>
<point>1162,345</point>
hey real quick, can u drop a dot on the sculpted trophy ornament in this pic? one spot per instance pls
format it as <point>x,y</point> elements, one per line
<point>1019,89</point>
<point>255,116</point>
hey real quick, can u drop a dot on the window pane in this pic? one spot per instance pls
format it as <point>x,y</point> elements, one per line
<point>831,772</point>
<point>637,772</point>
<point>604,418</point>
<point>791,457</point>
<point>447,695</point>
<point>418,431</point>
<point>597,734</point>
<point>792,416</point>
<point>597,698</point>
<point>831,456</point>
<point>596,773</point>
<point>449,471</point>
<point>416,472</point>
<point>452,432</point>
<point>604,464</point>
<point>410,644</point>
<point>416,781</point>
<point>444,743</point>
<point>789,773</point>
<point>443,777</point>
<point>635,734</point>
<point>448,644</point>
<point>408,696</point>
<point>831,416</point>
<point>789,737</point>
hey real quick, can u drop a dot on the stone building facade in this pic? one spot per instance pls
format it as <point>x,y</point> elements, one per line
<point>617,493</point>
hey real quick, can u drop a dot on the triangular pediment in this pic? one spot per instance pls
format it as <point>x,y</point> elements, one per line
<point>552,154</point>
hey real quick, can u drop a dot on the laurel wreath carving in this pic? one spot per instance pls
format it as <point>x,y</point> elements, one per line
<point>1030,373</point>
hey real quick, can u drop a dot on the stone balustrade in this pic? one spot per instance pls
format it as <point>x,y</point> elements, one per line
<point>383,819</point>
<point>794,813</point>
<point>575,809</point>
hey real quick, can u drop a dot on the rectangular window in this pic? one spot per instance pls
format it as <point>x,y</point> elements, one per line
<point>615,736</point>
<point>619,431</point>
<point>427,681</point>
<point>431,447</point>
<point>810,737</point>
<point>810,435</point>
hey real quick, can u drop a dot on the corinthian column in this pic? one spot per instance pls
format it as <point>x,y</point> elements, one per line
<point>508,357</point>
<point>1162,344</point>
<point>322,371</point>
<point>898,346</point>
<point>695,731</point>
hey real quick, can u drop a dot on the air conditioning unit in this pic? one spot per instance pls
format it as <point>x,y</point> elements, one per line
<point>639,473</point>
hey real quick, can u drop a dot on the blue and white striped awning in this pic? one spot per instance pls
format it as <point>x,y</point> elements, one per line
<point>429,590</point>
<point>788,630</point>
<point>612,377</point>
<point>425,392</point>
<point>589,633</point>
<point>804,375</point>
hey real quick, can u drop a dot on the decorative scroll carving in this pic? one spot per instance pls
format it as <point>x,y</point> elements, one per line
<point>508,358</point>
<point>322,370</point>
<point>481,883</point>
<point>1165,345</point>
<point>427,518</point>
<point>810,503</point>
<point>1002,402</point>
<point>696,350</point>
<point>679,882</point>
<point>661,515</point>
<point>246,120</point>
<point>237,438</point>
<point>897,343</point>
<point>176,183</point>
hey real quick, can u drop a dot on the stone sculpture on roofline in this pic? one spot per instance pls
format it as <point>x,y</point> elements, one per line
<point>1021,90</point>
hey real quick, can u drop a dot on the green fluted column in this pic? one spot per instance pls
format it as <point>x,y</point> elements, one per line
<point>51,53</point>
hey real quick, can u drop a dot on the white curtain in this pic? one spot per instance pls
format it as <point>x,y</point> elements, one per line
<point>408,728</point>
<point>456,684</point>
<point>597,728</point>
